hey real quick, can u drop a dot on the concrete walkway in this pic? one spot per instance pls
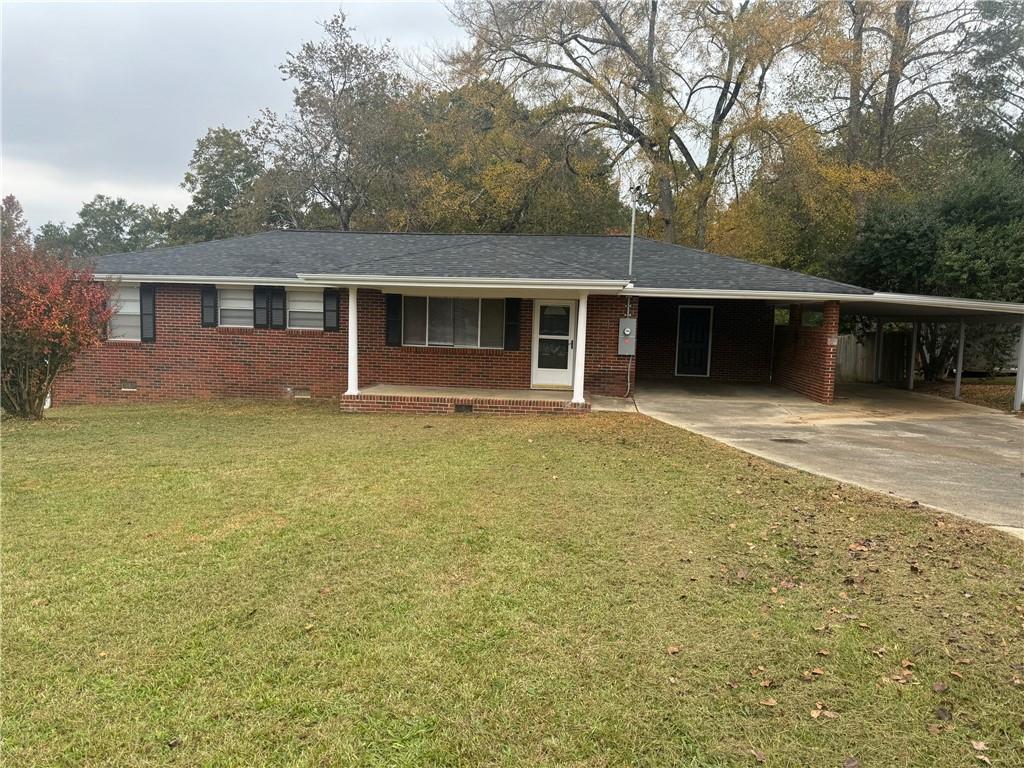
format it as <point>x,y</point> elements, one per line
<point>957,457</point>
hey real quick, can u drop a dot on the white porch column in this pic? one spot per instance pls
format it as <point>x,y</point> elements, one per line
<point>959,361</point>
<point>1018,391</point>
<point>353,342</point>
<point>913,356</point>
<point>580,355</point>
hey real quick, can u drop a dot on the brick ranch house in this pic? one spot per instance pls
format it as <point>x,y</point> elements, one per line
<point>440,323</point>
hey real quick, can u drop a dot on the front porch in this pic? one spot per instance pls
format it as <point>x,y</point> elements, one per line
<point>379,398</point>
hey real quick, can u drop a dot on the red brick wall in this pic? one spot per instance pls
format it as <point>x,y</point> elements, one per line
<point>188,361</point>
<point>437,366</point>
<point>605,370</point>
<point>741,339</point>
<point>805,357</point>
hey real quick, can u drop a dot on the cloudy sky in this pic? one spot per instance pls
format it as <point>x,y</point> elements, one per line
<point>110,97</point>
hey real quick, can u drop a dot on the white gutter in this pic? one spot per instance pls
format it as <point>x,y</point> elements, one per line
<point>414,281</point>
<point>622,287</point>
<point>714,293</point>
<point>944,302</point>
<point>210,279</point>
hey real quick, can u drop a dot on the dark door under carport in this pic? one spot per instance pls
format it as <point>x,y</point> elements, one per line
<point>693,341</point>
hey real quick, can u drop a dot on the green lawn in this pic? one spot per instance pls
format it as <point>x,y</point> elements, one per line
<point>248,584</point>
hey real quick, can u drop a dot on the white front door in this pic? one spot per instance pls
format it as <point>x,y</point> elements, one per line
<point>554,331</point>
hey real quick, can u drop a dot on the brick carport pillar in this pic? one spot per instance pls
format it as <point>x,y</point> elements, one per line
<point>830,353</point>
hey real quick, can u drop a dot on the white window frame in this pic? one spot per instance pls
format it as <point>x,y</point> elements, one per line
<point>137,315</point>
<point>288,308</point>
<point>479,315</point>
<point>220,306</point>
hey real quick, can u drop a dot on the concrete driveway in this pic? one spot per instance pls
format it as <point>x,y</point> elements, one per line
<point>958,457</point>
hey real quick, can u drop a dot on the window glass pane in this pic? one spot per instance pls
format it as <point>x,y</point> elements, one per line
<point>465,316</point>
<point>241,317</point>
<point>492,323</point>
<point>414,320</point>
<point>126,299</point>
<point>553,353</point>
<point>125,322</point>
<point>124,326</point>
<point>235,306</point>
<point>439,320</point>
<point>303,319</point>
<point>554,320</point>
<point>812,318</point>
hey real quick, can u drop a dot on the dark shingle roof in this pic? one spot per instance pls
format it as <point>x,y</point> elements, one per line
<point>285,254</point>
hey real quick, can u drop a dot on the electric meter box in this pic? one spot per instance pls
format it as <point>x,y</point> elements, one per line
<point>627,335</point>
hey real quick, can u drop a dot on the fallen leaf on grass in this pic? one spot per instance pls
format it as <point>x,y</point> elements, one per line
<point>768,702</point>
<point>851,762</point>
<point>940,687</point>
<point>824,652</point>
<point>820,711</point>
<point>979,746</point>
<point>672,650</point>
<point>758,755</point>
<point>983,758</point>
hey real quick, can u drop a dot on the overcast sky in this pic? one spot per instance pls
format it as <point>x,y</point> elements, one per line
<point>110,97</point>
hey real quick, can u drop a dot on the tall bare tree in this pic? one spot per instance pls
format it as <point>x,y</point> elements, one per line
<point>677,84</point>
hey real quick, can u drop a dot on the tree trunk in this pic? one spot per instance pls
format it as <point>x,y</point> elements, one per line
<point>666,208</point>
<point>858,13</point>
<point>900,35</point>
<point>701,228</point>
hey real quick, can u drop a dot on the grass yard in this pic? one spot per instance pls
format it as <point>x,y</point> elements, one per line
<point>243,584</point>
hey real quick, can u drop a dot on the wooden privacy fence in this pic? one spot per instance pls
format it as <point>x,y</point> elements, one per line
<point>855,360</point>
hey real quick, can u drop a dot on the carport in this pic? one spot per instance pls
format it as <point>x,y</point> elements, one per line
<point>686,337</point>
<point>916,311</point>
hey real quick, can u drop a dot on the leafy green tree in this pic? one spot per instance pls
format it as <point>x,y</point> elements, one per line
<point>965,240</point>
<point>338,139</point>
<point>484,162</point>
<point>109,225</point>
<point>990,90</point>
<point>221,179</point>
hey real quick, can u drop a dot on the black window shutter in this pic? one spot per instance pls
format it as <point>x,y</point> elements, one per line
<point>332,308</point>
<point>277,308</point>
<point>209,302</point>
<point>512,324</point>
<point>393,324</point>
<point>259,306</point>
<point>147,311</point>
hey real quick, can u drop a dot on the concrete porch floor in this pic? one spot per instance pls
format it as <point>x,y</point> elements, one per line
<point>478,393</point>
<point>950,455</point>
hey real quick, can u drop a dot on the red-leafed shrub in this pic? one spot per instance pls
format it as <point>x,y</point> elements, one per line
<point>50,311</point>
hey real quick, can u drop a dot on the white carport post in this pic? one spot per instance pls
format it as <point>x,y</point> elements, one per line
<point>1018,391</point>
<point>353,342</point>
<point>913,356</point>
<point>580,355</point>
<point>959,361</point>
<point>879,333</point>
